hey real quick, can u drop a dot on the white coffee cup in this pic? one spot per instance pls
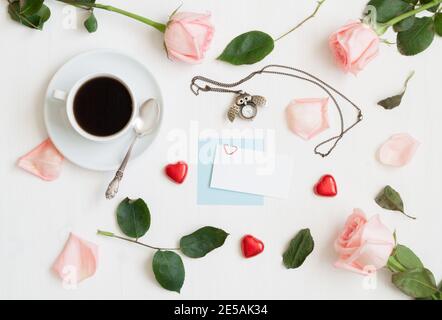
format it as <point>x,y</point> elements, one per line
<point>69,97</point>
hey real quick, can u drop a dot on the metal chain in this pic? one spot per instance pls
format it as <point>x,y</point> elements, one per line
<point>226,88</point>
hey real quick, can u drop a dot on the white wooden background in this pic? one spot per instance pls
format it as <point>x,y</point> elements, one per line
<point>36,217</point>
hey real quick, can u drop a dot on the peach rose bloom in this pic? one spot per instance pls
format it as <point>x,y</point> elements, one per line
<point>364,245</point>
<point>188,36</point>
<point>354,46</point>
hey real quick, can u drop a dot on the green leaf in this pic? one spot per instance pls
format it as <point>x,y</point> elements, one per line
<point>30,7</point>
<point>91,23</point>
<point>393,265</point>
<point>202,241</point>
<point>389,9</point>
<point>404,24</point>
<point>35,20</point>
<point>299,249</point>
<point>390,199</point>
<point>432,9</point>
<point>417,283</point>
<point>438,23</point>
<point>395,101</point>
<point>407,258</point>
<point>248,48</point>
<point>392,102</point>
<point>439,294</point>
<point>133,217</point>
<point>416,39</point>
<point>169,270</point>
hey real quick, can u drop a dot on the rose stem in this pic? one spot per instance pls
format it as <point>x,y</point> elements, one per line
<point>87,5</point>
<point>384,26</point>
<point>320,2</point>
<point>111,235</point>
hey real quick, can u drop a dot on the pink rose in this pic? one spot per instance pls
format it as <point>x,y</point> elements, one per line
<point>354,46</point>
<point>364,245</point>
<point>188,36</point>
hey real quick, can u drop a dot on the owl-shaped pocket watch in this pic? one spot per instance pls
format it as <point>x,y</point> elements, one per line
<point>246,106</point>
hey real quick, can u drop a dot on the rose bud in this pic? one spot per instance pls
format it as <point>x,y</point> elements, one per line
<point>354,46</point>
<point>188,36</point>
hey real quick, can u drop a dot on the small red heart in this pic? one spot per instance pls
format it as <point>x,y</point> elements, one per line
<point>177,171</point>
<point>326,186</point>
<point>251,246</point>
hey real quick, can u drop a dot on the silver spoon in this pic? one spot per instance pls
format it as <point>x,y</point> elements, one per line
<point>144,125</point>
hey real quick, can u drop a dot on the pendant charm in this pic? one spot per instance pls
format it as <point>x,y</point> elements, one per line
<point>246,106</point>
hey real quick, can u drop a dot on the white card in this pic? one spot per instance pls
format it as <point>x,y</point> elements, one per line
<point>252,171</point>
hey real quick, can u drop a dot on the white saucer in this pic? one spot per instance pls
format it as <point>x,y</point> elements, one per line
<point>91,155</point>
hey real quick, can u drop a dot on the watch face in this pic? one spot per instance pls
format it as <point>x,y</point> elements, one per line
<point>248,112</point>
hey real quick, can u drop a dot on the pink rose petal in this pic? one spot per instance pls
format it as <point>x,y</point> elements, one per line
<point>44,161</point>
<point>307,117</point>
<point>398,150</point>
<point>78,260</point>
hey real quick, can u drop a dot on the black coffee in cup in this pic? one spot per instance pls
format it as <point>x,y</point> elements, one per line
<point>103,106</point>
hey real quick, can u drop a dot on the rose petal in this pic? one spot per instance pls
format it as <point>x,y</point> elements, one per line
<point>366,259</point>
<point>78,260</point>
<point>376,232</point>
<point>44,161</point>
<point>350,238</point>
<point>351,265</point>
<point>307,117</point>
<point>398,150</point>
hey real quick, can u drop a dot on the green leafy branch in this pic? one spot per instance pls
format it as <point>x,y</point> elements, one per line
<point>414,34</point>
<point>253,46</point>
<point>34,13</point>
<point>411,277</point>
<point>133,217</point>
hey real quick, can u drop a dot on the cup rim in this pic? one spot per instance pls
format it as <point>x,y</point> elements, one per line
<point>70,108</point>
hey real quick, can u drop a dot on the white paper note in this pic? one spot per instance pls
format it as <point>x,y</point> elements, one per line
<point>252,171</point>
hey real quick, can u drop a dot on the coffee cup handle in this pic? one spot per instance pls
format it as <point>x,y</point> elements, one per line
<point>60,95</point>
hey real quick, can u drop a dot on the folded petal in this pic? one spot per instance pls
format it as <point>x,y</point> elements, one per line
<point>353,267</point>
<point>78,260</point>
<point>398,150</point>
<point>307,117</point>
<point>44,161</point>
<point>350,238</point>
<point>376,232</point>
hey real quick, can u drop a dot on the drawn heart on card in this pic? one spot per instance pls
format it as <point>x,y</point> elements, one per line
<point>326,186</point>
<point>177,171</point>
<point>251,246</point>
<point>228,149</point>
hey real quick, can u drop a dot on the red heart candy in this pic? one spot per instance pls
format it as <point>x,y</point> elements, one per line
<point>326,186</point>
<point>177,171</point>
<point>251,246</point>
